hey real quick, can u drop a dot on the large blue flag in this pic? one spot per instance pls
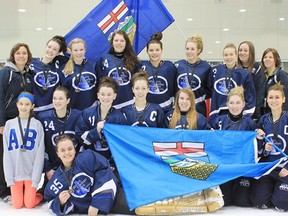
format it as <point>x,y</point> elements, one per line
<point>158,163</point>
<point>138,18</point>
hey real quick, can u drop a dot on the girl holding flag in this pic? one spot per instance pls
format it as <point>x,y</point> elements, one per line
<point>184,116</point>
<point>271,190</point>
<point>120,63</point>
<point>91,122</point>
<point>237,191</point>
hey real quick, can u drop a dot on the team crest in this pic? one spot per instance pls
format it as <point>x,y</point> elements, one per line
<point>158,87</point>
<point>80,185</point>
<point>48,81</point>
<point>221,88</point>
<point>183,82</point>
<point>123,78</point>
<point>87,81</point>
<point>186,158</point>
<point>280,142</point>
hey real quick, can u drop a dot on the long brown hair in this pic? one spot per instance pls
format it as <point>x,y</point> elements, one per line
<point>191,114</point>
<point>251,58</point>
<point>130,58</point>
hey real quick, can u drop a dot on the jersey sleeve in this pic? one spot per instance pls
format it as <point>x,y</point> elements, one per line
<point>104,188</point>
<point>282,77</point>
<point>39,159</point>
<point>86,133</point>
<point>160,117</point>
<point>7,159</point>
<point>249,95</point>
<point>167,119</point>
<point>202,123</point>
<point>2,97</point>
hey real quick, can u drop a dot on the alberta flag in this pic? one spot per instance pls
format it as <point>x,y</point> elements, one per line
<point>138,18</point>
<point>157,163</point>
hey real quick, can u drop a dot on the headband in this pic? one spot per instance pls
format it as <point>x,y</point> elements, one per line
<point>26,95</point>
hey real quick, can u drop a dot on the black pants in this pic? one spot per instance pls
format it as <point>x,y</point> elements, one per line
<point>270,190</point>
<point>120,204</point>
<point>4,190</point>
<point>237,192</point>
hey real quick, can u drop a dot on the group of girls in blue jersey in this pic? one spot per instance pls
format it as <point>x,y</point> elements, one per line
<point>74,97</point>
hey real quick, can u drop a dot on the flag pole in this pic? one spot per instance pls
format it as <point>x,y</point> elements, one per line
<point>275,146</point>
<point>180,30</point>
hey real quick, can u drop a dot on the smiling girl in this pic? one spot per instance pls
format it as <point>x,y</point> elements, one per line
<point>57,121</point>
<point>161,74</point>
<point>83,183</point>
<point>91,122</point>
<point>271,62</point>
<point>270,190</point>
<point>15,77</point>
<point>46,78</point>
<point>120,63</point>
<point>80,76</point>
<point>184,116</point>
<point>142,113</point>
<point>23,139</point>
<point>237,191</point>
<point>227,76</point>
<point>194,72</point>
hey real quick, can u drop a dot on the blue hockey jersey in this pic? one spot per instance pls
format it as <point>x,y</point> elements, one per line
<point>151,116</point>
<point>277,131</point>
<point>110,66</point>
<point>92,184</point>
<point>162,84</point>
<point>86,129</point>
<point>195,76</point>
<point>53,127</point>
<point>82,85</point>
<point>224,122</point>
<point>222,80</point>
<point>46,78</point>
<point>202,123</point>
<point>277,76</point>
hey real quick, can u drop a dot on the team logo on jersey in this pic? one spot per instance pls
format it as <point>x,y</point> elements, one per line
<point>280,143</point>
<point>80,185</point>
<point>158,87</point>
<point>87,81</point>
<point>186,158</point>
<point>49,80</point>
<point>121,77</point>
<point>221,88</point>
<point>183,82</point>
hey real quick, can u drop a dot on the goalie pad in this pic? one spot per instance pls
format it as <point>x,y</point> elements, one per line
<point>208,200</point>
<point>213,199</point>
